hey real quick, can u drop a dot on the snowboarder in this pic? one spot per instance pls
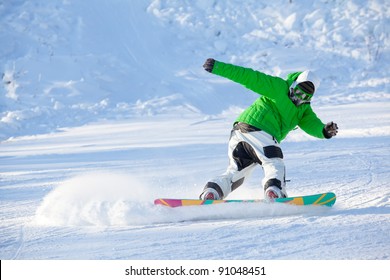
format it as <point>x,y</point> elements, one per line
<point>257,132</point>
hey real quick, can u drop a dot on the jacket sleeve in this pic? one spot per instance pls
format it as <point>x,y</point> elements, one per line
<point>256,81</point>
<point>311,124</point>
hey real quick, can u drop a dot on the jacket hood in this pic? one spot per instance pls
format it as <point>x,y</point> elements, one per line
<point>304,76</point>
<point>292,77</point>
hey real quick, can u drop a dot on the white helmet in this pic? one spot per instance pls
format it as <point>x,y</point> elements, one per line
<point>309,76</point>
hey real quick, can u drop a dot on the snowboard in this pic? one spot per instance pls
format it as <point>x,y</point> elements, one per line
<point>321,199</point>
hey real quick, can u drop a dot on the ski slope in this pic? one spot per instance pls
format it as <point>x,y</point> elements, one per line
<point>106,107</point>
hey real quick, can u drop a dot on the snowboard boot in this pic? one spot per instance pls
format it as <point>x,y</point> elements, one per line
<point>209,194</point>
<point>272,192</point>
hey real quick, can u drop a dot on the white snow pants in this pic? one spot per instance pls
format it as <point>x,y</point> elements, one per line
<point>249,147</point>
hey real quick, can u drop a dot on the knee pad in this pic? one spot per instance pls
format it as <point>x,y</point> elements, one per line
<point>244,155</point>
<point>273,152</point>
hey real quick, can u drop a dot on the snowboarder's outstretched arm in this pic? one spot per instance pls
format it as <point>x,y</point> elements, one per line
<point>312,125</point>
<point>256,81</point>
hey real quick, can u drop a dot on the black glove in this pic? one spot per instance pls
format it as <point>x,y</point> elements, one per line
<point>209,64</point>
<point>330,130</point>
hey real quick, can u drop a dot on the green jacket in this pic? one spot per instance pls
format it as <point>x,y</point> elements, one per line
<point>273,112</point>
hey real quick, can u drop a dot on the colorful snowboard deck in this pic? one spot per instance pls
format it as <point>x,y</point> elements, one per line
<point>322,199</point>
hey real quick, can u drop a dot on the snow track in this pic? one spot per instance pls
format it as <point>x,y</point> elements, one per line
<point>103,200</point>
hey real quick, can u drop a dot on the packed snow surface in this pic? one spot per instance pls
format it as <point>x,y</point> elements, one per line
<point>105,106</point>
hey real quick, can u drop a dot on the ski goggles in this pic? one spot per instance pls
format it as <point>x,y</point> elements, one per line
<point>301,94</point>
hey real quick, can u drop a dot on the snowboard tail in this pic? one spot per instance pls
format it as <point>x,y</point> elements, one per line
<point>322,199</point>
